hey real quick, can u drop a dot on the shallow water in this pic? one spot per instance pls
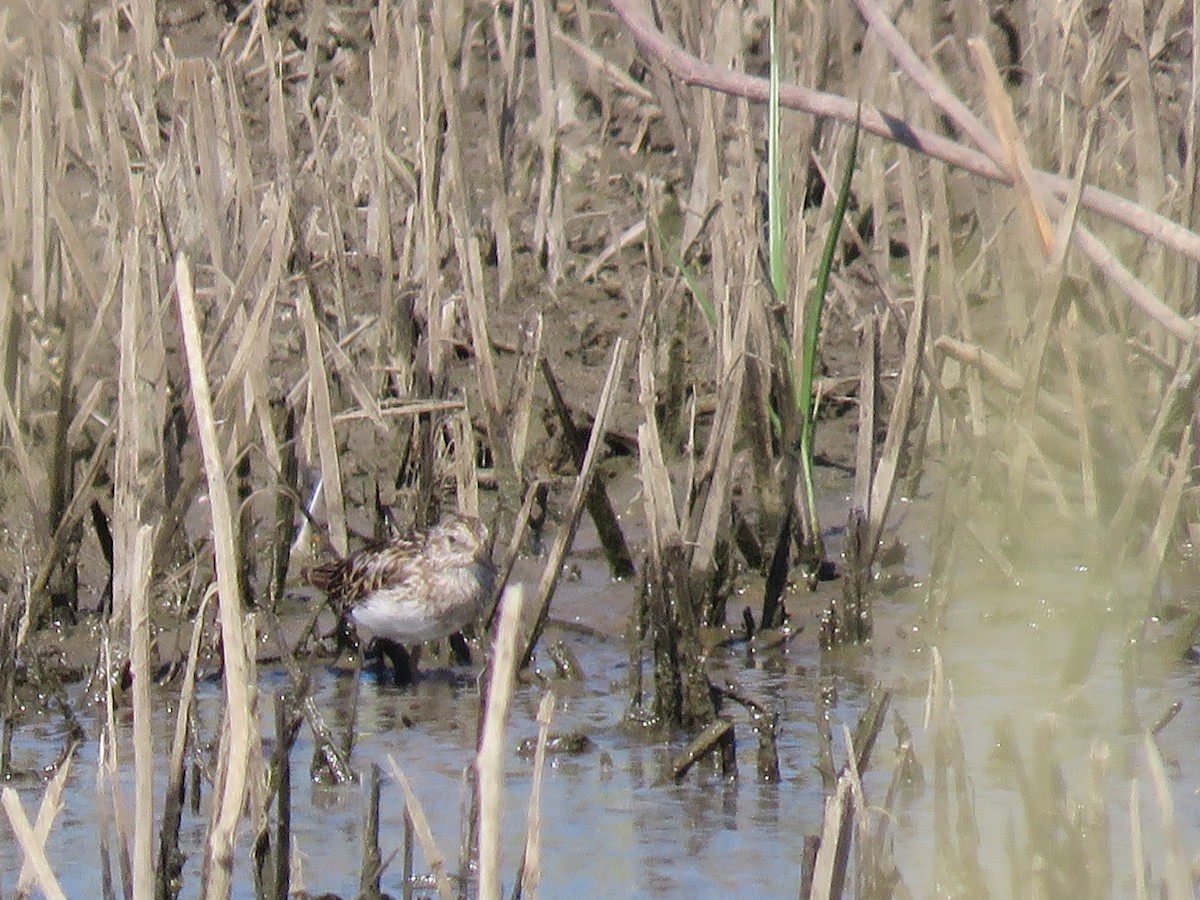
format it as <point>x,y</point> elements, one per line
<point>612,816</point>
<point>1003,647</point>
<point>613,819</point>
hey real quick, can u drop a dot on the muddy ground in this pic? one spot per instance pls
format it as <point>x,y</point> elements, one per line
<point>618,152</point>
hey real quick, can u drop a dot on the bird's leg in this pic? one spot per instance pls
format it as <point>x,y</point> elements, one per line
<point>345,636</point>
<point>404,672</point>
<point>460,648</point>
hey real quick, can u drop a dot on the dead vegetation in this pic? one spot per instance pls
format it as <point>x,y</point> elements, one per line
<point>281,276</point>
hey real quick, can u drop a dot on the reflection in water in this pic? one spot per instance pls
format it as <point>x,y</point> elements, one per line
<point>1045,681</point>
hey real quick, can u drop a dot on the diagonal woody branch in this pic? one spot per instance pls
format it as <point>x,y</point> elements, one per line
<point>695,71</point>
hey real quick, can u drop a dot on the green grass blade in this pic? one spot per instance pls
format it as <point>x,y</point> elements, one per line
<point>690,277</point>
<point>812,328</point>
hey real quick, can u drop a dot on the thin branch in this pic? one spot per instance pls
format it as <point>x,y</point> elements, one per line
<point>695,71</point>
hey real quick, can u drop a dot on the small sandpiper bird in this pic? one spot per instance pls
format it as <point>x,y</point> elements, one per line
<point>429,585</point>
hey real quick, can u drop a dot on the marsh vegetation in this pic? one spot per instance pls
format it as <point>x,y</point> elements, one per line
<point>282,278</point>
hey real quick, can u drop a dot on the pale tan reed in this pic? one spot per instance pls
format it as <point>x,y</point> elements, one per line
<point>434,857</point>
<point>34,852</point>
<point>231,781</point>
<point>331,469</point>
<point>531,870</point>
<point>49,808</point>
<point>587,469</point>
<point>489,763</point>
<point>143,741</point>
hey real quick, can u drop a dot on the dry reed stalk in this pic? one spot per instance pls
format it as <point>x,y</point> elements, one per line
<point>848,620</point>
<point>566,532</point>
<point>489,763</point>
<point>531,858</point>
<point>682,697</point>
<point>900,417</point>
<point>717,737</point>
<point>468,248</point>
<point>170,859</point>
<point>471,265</point>
<point>108,769</point>
<point>322,419</point>
<point>829,867</point>
<point>426,106</point>
<point>536,490</point>
<point>524,383</point>
<point>372,860</point>
<point>130,437</point>
<point>35,854</point>
<point>251,350</point>
<point>329,760</point>
<point>709,112</point>
<point>1047,189</point>
<point>323,183</point>
<point>434,858</point>
<point>1166,522</point>
<point>48,809</point>
<point>233,767</point>
<point>466,477</point>
<point>599,506</point>
<point>1179,879</point>
<point>499,127</point>
<point>40,232</point>
<point>281,850</point>
<point>347,373</point>
<point>61,472</point>
<point>634,234</point>
<point>1014,152</point>
<point>710,519</point>
<point>868,411</point>
<point>1051,281</point>
<point>662,521</point>
<point>31,477</point>
<point>402,408</point>
<point>1137,848</point>
<point>138,604</point>
<point>80,502</point>
<point>1175,393</point>
<point>548,226</point>
<point>694,71</point>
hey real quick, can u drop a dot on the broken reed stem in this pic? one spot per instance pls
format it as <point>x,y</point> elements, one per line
<point>318,383</point>
<point>368,884</point>
<point>143,741</point>
<point>35,854</point>
<point>434,858</point>
<point>47,810</point>
<point>233,768</point>
<point>170,859</point>
<point>566,533</point>
<point>109,767</point>
<point>531,861</point>
<point>330,763</point>
<point>883,483</point>
<point>599,506</point>
<point>1177,877</point>
<point>489,764</point>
